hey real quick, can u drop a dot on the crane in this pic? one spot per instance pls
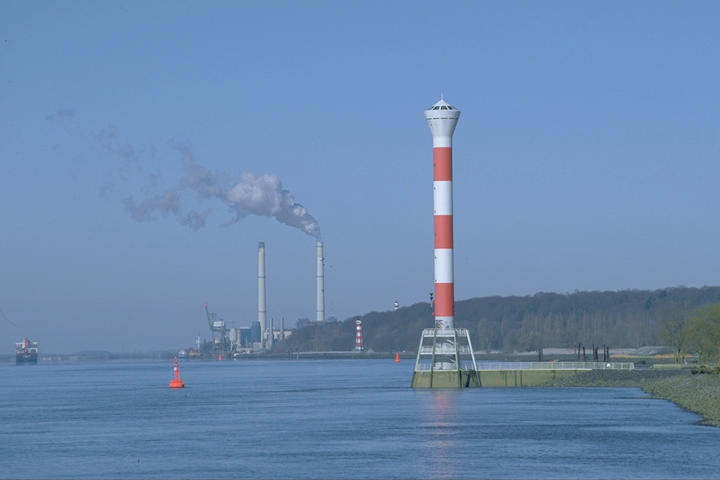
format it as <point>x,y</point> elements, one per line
<point>220,341</point>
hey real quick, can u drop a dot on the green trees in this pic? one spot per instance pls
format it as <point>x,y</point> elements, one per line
<point>702,334</point>
<point>673,330</point>
<point>695,331</point>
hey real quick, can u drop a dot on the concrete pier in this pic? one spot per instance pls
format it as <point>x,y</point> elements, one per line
<point>508,374</point>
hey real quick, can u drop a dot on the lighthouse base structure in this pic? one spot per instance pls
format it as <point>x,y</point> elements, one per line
<point>445,359</point>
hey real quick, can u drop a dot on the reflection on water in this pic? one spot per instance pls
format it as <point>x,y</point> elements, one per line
<point>441,426</point>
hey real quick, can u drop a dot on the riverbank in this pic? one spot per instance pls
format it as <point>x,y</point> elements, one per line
<point>695,393</point>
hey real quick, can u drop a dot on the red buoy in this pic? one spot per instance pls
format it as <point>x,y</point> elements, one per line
<point>397,357</point>
<point>176,382</point>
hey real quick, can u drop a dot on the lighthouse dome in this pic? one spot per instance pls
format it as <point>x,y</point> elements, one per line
<point>442,105</point>
<point>442,118</point>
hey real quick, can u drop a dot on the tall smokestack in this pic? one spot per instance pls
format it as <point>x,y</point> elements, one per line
<point>261,291</point>
<point>320,283</point>
<point>442,119</point>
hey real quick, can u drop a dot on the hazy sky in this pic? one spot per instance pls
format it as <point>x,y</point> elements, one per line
<point>586,156</point>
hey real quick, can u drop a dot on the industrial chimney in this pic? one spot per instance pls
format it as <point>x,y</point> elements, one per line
<point>320,284</point>
<point>261,292</point>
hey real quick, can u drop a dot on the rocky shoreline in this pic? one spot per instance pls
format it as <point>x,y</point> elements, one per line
<point>696,393</point>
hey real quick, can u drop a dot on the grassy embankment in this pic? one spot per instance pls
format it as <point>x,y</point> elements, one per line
<point>696,393</point>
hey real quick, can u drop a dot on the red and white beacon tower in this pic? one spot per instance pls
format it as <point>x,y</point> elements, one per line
<point>442,119</point>
<point>358,336</point>
<point>445,357</point>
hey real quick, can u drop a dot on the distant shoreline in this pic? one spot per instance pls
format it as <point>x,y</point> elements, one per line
<point>168,355</point>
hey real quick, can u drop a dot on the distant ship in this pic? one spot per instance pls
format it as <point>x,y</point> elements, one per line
<point>26,352</point>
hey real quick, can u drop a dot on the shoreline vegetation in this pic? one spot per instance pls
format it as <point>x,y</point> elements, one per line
<point>618,319</point>
<point>697,393</point>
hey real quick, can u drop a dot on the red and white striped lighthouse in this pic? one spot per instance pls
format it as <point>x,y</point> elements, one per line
<point>442,119</point>
<point>358,336</point>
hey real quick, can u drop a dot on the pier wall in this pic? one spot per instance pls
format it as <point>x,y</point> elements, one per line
<point>521,378</point>
<point>487,378</point>
<point>445,379</point>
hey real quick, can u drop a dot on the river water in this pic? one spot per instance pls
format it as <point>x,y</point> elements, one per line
<point>318,419</point>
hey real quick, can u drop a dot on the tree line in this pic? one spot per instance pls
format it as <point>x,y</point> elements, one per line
<point>626,318</point>
<point>694,332</point>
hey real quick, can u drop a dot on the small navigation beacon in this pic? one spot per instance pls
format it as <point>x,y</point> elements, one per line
<point>176,382</point>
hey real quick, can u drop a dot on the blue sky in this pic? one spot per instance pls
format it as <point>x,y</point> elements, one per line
<point>586,156</point>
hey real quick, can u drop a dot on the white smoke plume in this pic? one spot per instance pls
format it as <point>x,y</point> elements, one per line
<point>265,196</point>
<point>262,196</point>
<point>252,195</point>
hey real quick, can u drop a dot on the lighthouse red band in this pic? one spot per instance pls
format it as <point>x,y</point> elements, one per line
<point>442,119</point>
<point>358,336</point>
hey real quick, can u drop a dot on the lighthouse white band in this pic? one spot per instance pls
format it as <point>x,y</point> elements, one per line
<point>444,322</point>
<point>443,265</point>
<point>442,197</point>
<point>442,141</point>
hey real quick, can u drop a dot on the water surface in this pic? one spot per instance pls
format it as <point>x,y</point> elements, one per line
<point>318,419</point>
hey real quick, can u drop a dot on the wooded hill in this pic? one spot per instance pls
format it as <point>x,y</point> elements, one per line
<point>627,318</point>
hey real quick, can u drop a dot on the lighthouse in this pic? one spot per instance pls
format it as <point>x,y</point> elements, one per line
<point>442,119</point>
<point>445,358</point>
<point>359,346</point>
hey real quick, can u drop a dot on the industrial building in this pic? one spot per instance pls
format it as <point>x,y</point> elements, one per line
<point>227,343</point>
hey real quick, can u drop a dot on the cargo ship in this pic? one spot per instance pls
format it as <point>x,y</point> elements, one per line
<point>26,351</point>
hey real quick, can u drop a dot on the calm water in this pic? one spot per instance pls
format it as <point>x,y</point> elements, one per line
<point>330,419</point>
